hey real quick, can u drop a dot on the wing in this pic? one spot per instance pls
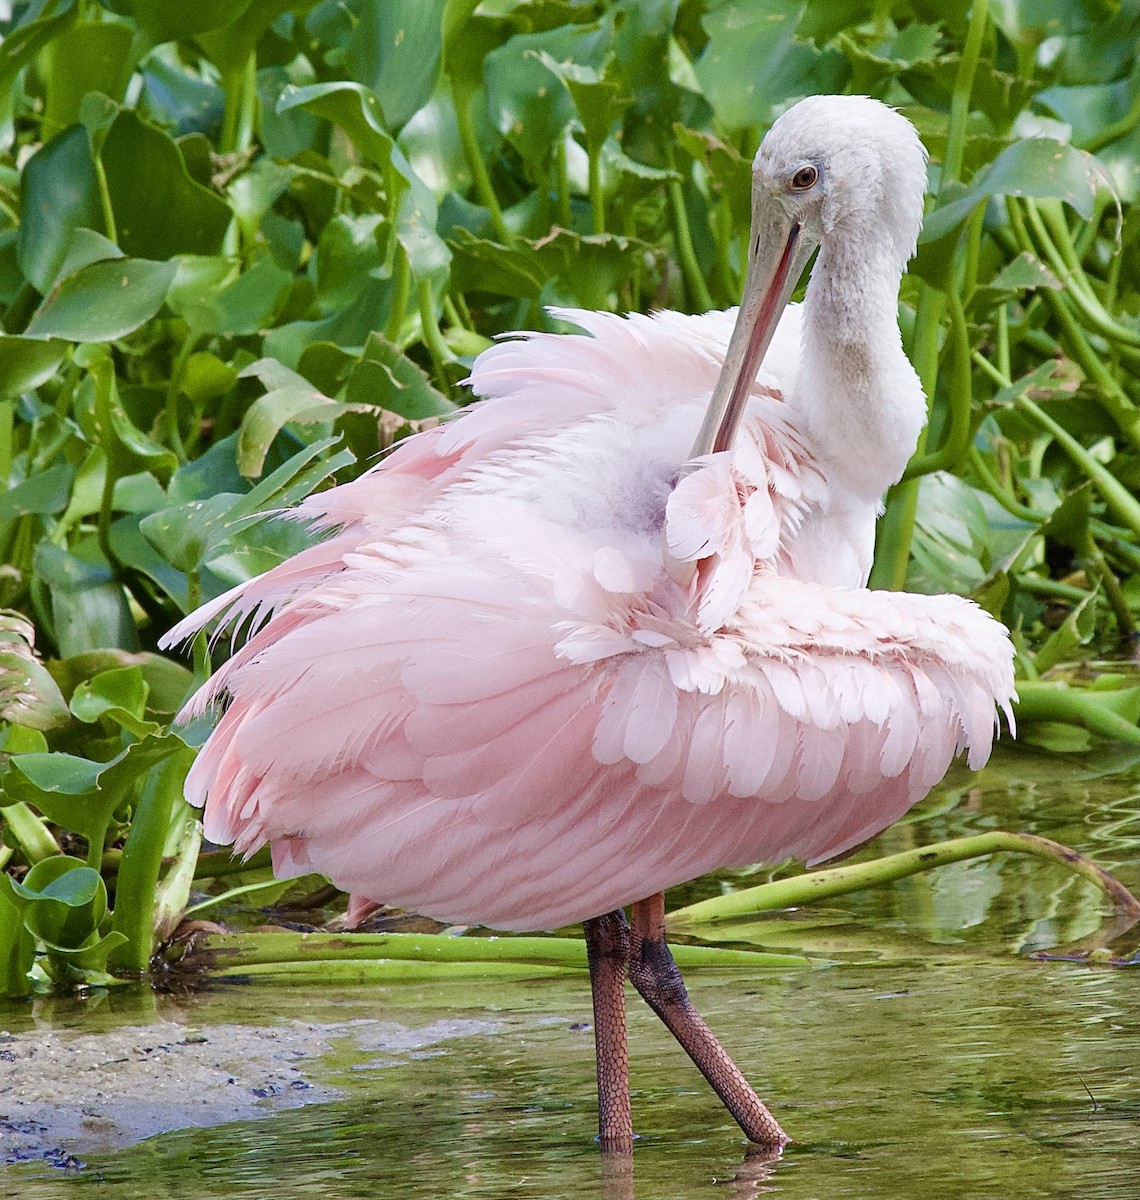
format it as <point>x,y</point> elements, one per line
<point>462,743</point>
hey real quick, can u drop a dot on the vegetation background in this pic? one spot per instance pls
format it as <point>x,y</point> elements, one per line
<point>246,244</point>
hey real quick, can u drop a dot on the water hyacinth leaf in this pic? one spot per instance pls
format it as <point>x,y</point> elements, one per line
<point>29,696</point>
<point>88,57</point>
<point>82,795</point>
<point>172,214</point>
<point>1036,167</point>
<point>162,21</point>
<point>187,535</point>
<point>410,201</point>
<point>598,100</point>
<point>290,397</point>
<point>348,252</point>
<point>120,695</point>
<point>388,379</point>
<point>1024,273</point>
<point>88,607</point>
<point>395,50</point>
<point>1075,631</point>
<point>103,301</point>
<point>245,306</point>
<point>528,104</point>
<point>354,108</point>
<point>58,196</point>
<point>743,34</point>
<point>729,173</point>
<point>86,247</point>
<point>47,492</point>
<point>230,44</point>
<point>25,363</point>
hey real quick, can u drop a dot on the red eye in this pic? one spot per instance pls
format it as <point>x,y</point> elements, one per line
<point>804,179</point>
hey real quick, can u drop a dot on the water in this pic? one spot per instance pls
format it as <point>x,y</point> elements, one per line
<point>937,1060</point>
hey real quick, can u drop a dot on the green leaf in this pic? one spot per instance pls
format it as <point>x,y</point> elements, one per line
<point>47,492</point>
<point>88,607</point>
<point>58,195</point>
<point>290,397</point>
<point>411,203</point>
<point>169,214</point>
<point>26,362</point>
<point>162,21</point>
<point>598,100</point>
<point>1037,167</point>
<point>120,695</point>
<point>78,794</point>
<point>389,379</point>
<point>395,50</point>
<point>1066,640</point>
<point>746,33</point>
<point>29,696</point>
<point>103,301</point>
<point>88,57</point>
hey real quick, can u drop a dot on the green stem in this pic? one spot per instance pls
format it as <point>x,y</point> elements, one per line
<point>695,285</point>
<point>461,101</point>
<point>1100,573</point>
<point>562,184</point>
<point>30,830</point>
<point>105,201</point>
<point>173,390</point>
<point>7,425</point>
<point>1116,495</point>
<point>956,443</point>
<point>141,862</point>
<point>1042,701</point>
<point>840,881</point>
<point>963,87</point>
<point>597,200</point>
<point>433,339</point>
<point>239,117</point>
<point>401,289</point>
<point>994,486</point>
<point>239,951</point>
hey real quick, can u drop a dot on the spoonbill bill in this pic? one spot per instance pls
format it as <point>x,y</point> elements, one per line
<point>609,629</point>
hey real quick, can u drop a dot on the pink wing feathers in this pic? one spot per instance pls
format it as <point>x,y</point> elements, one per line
<point>474,711</point>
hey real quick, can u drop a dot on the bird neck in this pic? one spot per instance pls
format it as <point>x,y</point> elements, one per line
<point>858,398</point>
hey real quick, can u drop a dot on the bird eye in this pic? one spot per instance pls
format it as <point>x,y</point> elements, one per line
<point>804,178</point>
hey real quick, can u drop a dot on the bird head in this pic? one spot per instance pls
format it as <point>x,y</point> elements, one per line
<point>832,171</point>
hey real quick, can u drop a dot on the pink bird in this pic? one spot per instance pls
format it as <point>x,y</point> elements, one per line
<point>585,643</point>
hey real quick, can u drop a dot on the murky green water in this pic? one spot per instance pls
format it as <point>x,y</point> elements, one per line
<point>937,1060</point>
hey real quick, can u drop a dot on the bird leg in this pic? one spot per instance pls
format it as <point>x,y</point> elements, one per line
<point>654,973</point>
<point>607,950</point>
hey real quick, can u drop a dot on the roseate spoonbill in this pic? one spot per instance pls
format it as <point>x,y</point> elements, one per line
<point>555,657</point>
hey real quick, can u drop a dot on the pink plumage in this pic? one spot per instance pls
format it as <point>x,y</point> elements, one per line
<point>484,698</point>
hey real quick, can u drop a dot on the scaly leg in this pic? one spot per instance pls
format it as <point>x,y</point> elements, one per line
<point>607,949</point>
<point>654,973</point>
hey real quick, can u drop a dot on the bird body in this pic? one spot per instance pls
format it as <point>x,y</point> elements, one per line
<point>483,698</point>
<point>608,630</point>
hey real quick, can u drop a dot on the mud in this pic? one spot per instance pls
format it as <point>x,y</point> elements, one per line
<point>65,1094</point>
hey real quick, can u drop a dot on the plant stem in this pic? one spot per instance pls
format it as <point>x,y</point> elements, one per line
<point>1039,700</point>
<point>695,285</point>
<point>237,951</point>
<point>401,288</point>
<point>597,200</point>
<point>470,142</point>
<point>839,881</point>
<point>433,339</point>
